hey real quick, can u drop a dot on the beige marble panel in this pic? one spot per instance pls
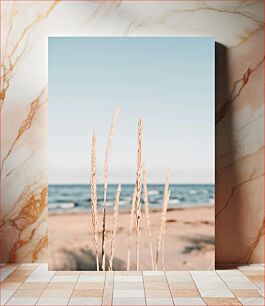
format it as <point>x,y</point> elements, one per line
<point>238,29</point>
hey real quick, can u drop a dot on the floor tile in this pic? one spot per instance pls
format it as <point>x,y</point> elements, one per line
<point>33,286</point>
<point>98,273</point>
<point>128,273</point>
<point>159,301</point>
<point>216,293</point>
<point>87,293</point>
<point>107,297</point>
<point>179,273</point>
<point>22,301</point>
<point>251,301</point>
<point>32,293</point>
<point>91,278</point>
<point>260,285</point>
<point>211,285</point>
<point>64,279</point>
<point>38,279</point>
<point>188,301</point>
<point>251,267</point>
<point>253,272</point>
<point>246,293</point>
<point>56,294</point>
<point>132,286</point>
<point>261,292</point>
<point>3,300</point>
<point>10,286</point>
<point>6,271</point>
<point>182,286</point>
<point>128,279</point>
<point>256,278</point>
<point>153,273</point>
<point>218,301</point>
<point>185,293</point>
<point>179,278</point>
<point>241,285</point>
<point>60,286</point>
<point>128,301</point>
<point>156,285</point>
<point>128,293</point>
<point>235,278</point>
<point>86,286</point>
<point>7,293</point>
<point>157,293</point>
<point>232,272</point>
<point>85,301</point>
<point>68,273</point>
<point>155,278</point>
<point>53,301</point>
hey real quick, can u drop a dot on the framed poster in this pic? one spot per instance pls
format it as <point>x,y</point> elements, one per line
<point>131,153</point>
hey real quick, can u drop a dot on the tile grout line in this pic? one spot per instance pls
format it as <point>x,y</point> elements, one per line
<point>102,297</point>
<point>73,289</point>
<point>145,298</point>
<point>169,288</point>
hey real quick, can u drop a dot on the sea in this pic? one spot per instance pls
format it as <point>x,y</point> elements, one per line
<point>75,198</point>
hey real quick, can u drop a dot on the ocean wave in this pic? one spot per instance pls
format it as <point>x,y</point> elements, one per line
<point>153,192</point>
<point>63,205</point>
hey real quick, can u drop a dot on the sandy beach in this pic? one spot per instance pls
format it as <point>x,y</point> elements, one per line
<point>189,233</point>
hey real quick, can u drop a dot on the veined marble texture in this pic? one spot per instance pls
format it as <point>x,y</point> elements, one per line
<point>238,29</point>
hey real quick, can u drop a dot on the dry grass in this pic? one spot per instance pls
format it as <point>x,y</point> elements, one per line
<point>135,214</point>
<point>138,186</point>
<point>93,187</point>
<point>130,231</point>
<point>114,227</point>
<point>146,207</point>
<point>161,235</point>
<point>164,235</point>
<point>106,174</point>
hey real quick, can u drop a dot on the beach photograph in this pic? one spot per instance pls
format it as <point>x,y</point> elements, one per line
<point>131,153</point>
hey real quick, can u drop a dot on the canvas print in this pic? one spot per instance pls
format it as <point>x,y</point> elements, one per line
<point>131,153</point>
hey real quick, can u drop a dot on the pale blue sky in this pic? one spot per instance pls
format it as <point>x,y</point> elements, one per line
<point>168,81</point>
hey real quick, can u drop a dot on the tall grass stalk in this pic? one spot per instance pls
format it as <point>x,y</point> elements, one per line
<point>138,186</point>
<point>93,189</point>
<point>163,219</point>
<point>106,173</point>
<point>132,214</point>
<point>146,207</point>
<point>164,236</point>
<point>114,226</point>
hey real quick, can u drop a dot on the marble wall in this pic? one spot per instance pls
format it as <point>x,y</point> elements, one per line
<point>238,29</point>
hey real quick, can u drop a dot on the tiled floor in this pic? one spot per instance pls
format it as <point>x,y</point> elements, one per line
<point>33,284</point>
